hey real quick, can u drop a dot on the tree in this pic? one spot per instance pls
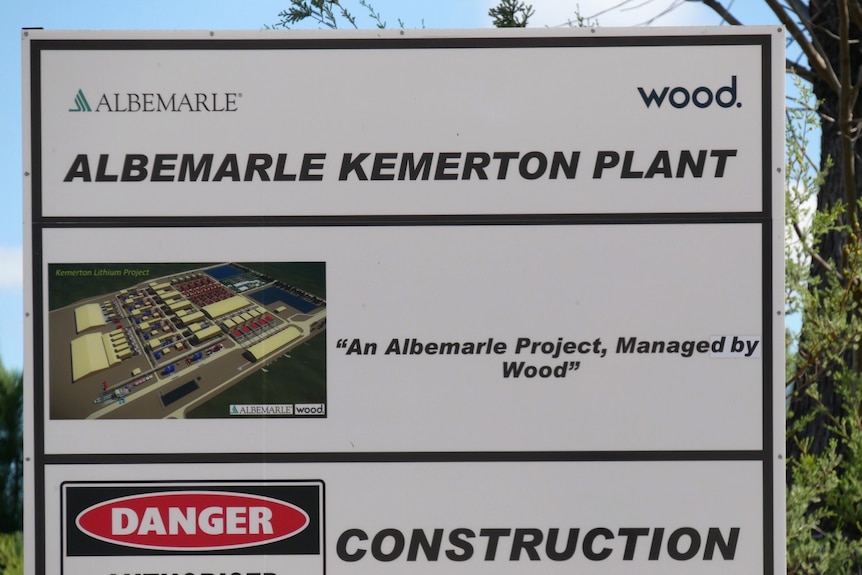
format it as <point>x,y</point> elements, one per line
<point>11,450</point>
<point>824,501</point>
<point>511,14</point>
<point>328,13</point>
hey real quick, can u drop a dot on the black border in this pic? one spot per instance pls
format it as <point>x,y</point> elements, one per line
<point>191,483</point>
<point>764,218</point>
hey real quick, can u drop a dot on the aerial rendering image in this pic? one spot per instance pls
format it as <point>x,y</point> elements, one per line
<point>186,341</point>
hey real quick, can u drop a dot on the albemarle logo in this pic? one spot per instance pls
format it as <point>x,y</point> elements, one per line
<point>159,102</point>
<point>81,103</point>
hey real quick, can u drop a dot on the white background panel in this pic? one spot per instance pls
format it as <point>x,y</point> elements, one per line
<point>400,100</point>
<point>538,495</point>
<point>464,284</point>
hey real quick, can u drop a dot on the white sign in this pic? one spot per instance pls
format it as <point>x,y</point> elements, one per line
<point>481,517</point>
<point>510,296</point>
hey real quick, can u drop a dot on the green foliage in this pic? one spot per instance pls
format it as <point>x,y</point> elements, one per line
<point>824,505</point>
<point>827,302</point>
<point>328,13</point>
<point>333,14</point>
<point>820,524</point>
<point>581,21</point>
<point>824,500</point>
<point>11,450</point>
<point>511,14</point>
<point>12,553</point>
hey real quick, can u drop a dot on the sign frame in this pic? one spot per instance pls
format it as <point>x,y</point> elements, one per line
<point>43,217</point>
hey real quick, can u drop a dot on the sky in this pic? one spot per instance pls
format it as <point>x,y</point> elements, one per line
<point>254,15</point>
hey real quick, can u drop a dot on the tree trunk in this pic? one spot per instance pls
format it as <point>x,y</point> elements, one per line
<point>825,20</point>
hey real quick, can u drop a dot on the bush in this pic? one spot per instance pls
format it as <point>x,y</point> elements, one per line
<point>12,553</point>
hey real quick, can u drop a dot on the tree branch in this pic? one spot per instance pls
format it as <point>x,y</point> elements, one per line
<point>856,14</point>
<point>820,67</point>
<point>801,71</point>
<point>800,9</point>
<point>800,236</point>
<point>845,115</point>
<point>819,64</point>
<point>722,11</point>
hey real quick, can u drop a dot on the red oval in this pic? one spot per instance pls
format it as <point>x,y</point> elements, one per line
<point>192,520</point>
